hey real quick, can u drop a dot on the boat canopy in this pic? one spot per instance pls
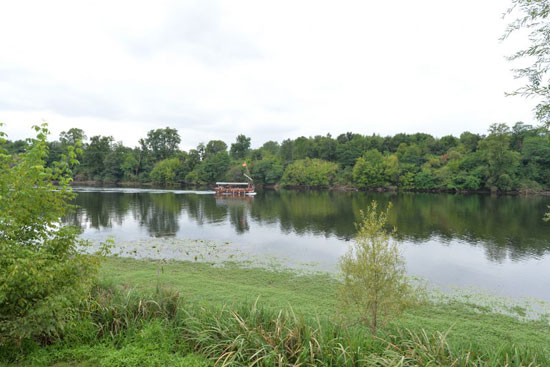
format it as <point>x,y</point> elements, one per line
<point>232,183</point>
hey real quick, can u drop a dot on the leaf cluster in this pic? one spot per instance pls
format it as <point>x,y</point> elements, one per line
<point>43,275</point>
<point>534,18</point>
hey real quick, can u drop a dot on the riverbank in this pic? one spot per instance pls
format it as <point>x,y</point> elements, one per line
<point>210,297</point>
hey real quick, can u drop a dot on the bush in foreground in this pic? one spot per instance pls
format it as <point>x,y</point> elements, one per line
<point>43,276</point>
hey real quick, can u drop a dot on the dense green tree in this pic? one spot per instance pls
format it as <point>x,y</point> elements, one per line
<point>303,148</point>
<point>235,174</point>
<point>535,157</point>
<point>130,165</point>
<point>349,149</point>
<point>470,140</point>
<point>213,147</point>
<point>268,170</point>
<point>240,148</point>
<point>287,150</point>
<point>257,154</point>
<point>368,171</point>
<point>163,143</point>
<point>501,161</point>
<point>113,162</point>
<point>94,156</point>
<point>426,179</point>
<point>410,154</point>
<point>271,147</point>
<point>192,159</point>
<point>325,147</point>
<point>145,161</point>
<point>519,133</point>
<point>449,142</point>
<point>213,168</point>
<point>165,172</point>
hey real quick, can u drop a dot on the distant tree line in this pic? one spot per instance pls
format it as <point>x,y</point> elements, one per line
<point>505,159</point>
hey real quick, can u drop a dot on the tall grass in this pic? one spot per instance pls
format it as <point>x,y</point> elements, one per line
<point>250,335</point>
<point>112,311</point>
<point>140,329</point>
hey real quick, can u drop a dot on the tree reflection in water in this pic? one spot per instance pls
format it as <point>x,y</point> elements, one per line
<point>506,226</point>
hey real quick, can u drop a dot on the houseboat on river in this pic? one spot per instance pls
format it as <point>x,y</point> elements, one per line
<point>234,189</point>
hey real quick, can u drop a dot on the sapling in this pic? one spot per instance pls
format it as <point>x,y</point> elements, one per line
<point>375,287</point>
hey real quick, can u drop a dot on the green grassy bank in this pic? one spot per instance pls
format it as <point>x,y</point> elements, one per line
<point>232,314</point>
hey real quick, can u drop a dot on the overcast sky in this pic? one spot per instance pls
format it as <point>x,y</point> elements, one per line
<point>269,69</point>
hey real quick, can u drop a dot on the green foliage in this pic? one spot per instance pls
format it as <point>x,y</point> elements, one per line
<point>469,140</point>
<point>130,166</point>
<point>350,149</point>
<point>245,334</point>
<point>43,276</point>
<point>368,171</point>
<point>501,161</point>
<point>425,179</point>
<point>534,17</point>
<point>535,160</point>
<point>406,180</point>
<point>213,147</point>
<point>113,163</point>
<point>162,143</point>
<point>268,170</point>
<point>235,173</point>
<point>286,150</point>
<point>192,178</point>
<point>240,148</point>
<point>310,172</point>
<point>72,137</point>
<point>375,284</point>
<point>210,170</point>
<point>391,168</point>
<point>271,147</point>
<point>94,156</point>
<point>507,159</point>
<point>466,182</point>
<point>213,168</point>
<point>474,330</point>
<point>165,172</point>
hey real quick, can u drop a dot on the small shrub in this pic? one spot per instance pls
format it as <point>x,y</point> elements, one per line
<point>375,286</point>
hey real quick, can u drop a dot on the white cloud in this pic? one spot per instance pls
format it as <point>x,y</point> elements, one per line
<point>271,70</point>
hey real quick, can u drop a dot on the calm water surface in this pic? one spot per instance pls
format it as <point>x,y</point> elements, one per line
<point>494,243</point>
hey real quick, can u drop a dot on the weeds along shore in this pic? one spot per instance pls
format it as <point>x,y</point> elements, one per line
<point>144,313</point>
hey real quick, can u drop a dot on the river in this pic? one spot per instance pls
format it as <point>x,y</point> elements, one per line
<point>497,244</point>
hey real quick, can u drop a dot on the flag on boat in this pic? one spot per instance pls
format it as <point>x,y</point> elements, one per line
<point>244,164</point>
